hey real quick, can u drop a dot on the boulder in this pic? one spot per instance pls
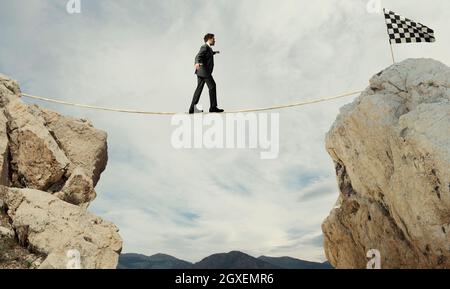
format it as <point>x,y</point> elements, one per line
<point>78,190</point>
<point>85,146</point>
<point>54,228</point>
<point>37,160</point>
<point>9,90</point>
<point>391,150</point>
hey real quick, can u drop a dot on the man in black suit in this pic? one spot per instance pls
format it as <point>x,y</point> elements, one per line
<point>204,66</point>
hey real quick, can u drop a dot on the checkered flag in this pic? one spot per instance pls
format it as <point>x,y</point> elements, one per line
<point>403,30</point>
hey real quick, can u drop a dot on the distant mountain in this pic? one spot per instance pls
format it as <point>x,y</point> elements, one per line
<point>232,260</point>
<point>158,261</point>
<point>292,263</point>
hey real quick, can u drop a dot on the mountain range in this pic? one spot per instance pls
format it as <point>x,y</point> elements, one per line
<point>231,260</point>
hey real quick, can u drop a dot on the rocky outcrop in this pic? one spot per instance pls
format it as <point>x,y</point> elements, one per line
<point>85,146</point>
<point>49,167</point>
<point>391,149</point>
<point>54,228</point>
<point>36,159</point>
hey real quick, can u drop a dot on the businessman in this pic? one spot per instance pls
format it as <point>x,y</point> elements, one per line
<point>204,66</point>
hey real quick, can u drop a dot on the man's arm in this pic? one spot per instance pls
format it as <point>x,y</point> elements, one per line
<point>201,55</point>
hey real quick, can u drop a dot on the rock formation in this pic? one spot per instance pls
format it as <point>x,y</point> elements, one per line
<point>49,167</point>
<point>391,149</point>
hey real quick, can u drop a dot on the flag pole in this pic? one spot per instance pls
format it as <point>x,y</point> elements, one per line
<point>390,43</point>
<point>392,52</point>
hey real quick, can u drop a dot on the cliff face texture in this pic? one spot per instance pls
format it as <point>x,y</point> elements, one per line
<point>391,149</point>
<point>49,167</point>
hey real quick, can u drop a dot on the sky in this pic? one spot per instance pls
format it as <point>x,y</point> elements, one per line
<point>140,55</point>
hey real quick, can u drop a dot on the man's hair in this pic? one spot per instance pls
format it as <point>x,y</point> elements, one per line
<point>208,36</point>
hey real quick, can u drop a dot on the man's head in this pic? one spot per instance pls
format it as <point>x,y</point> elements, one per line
<point>210,38</point>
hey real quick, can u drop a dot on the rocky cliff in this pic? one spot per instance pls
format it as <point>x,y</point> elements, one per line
<point>391,149</point>
<point>49,167</point>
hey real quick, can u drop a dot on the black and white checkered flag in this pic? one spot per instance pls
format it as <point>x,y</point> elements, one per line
<point>403,30</point>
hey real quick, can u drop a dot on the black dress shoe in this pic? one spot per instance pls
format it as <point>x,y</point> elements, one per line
<point>216,110</point>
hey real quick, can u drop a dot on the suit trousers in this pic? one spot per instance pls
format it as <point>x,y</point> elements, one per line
<point>212,91</point>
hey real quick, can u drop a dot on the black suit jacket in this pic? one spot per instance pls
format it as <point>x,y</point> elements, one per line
<point>206,58</point>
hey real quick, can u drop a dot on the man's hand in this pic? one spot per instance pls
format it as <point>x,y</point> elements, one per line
<point>197,66</point>
<point>216,52</point>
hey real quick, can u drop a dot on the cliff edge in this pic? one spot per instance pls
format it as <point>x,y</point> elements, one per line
<point>49,167</point>
<point>391,149</point>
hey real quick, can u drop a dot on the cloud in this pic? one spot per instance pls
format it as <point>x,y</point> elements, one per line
<point>140,54</point>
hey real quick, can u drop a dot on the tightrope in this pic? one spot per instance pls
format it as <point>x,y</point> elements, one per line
<point>131,111</point>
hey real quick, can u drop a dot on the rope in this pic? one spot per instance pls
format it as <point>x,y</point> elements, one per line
<point>131,111</point>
